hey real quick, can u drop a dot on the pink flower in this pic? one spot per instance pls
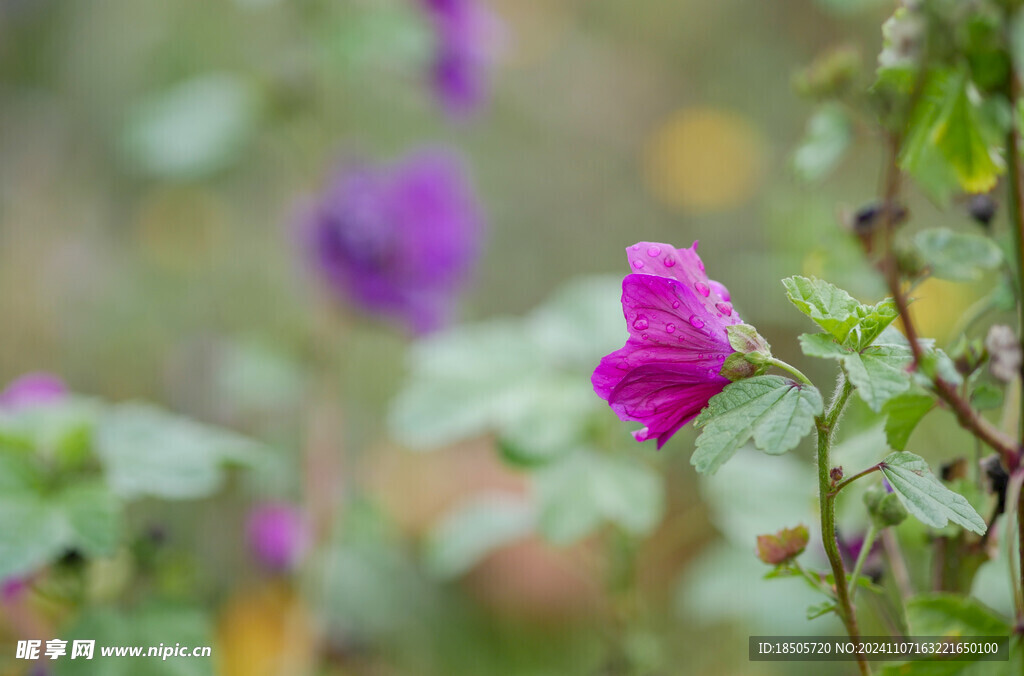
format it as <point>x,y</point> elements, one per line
<point>278,535</point>
<point>669,367</point>
<point>33,389</point>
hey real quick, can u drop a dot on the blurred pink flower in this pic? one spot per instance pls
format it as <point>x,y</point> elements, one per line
<point>278,535</point>
<point>669,367</point>
<point>33,389</point>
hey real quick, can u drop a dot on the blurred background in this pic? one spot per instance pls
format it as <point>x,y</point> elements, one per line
<point>155,160</point>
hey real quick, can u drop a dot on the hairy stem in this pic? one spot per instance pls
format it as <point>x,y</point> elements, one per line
<point>826,424</point>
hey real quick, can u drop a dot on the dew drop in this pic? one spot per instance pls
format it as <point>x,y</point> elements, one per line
<point>636,247</point>
<point>644,336</point>
<point>640,324</point>
<point>702,289</point>
<point>724,308</point>
<point>712,372</point>
<point>654,251</point>
<point>638,264</point>
<point>696,322</point>
<point>670,328</point>
<point>670,262</point>
<point>675,304</point>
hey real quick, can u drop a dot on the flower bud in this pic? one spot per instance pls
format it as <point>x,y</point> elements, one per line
<point>752,356</point>
<point>885,508</point>
<point>783,546</point>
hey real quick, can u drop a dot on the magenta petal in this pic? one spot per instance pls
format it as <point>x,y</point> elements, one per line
<point>664,397</point>
<point>678,340</point>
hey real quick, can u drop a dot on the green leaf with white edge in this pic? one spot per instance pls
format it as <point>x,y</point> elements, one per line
<point>147,451</point>
<point>773,411</point>
<point>903,413</point>
<point>825,142</point>
<point>959,137</point>
<point>579,493</point>
<point>827,305</point>
<point>925,497</point>
<point>474,529</point>
<point>957,256</point>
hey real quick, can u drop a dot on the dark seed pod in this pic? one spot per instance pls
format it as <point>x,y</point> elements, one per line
<point>997,479</point>
<point>982,208</point>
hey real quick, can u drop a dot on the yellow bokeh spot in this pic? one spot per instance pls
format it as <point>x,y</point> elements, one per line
<point>265,632</point>
<point>938,305</point>
<point>704,159</point>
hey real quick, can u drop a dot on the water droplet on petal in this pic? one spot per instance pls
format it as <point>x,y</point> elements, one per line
<point>654,251</point>
<point>636,247</point>
<point>724,308</point>
<point>675,304</point>
<point>702,289</point>
<point>712,372</point>
<point>644,336</point>
<point>720,357</point>
<point>670,262</point>
<point>640,324</point>
<point>670,328</point>
<point>638,264</point>
<point>696,322</point>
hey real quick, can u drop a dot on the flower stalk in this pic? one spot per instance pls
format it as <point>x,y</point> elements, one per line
<point>826,425</point>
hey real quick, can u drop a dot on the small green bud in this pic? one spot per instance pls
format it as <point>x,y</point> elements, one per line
<point>885,508</point>
<point>753,353</point>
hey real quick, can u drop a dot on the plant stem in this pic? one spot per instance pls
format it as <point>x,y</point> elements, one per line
<point>1016,207</point>
<point>826,427</point>
<point>791,369</point>
<point>865,549</point>
<point>843,484</point>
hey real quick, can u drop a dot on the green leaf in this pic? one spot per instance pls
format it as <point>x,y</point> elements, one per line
<point>146,626</point>
<point>580,492</point>
<point>851,323</point>
<point>146,451</point>
<point>192,129</point>
<point>878,371</point>
<point>59,430</point>
<point>987,396</point>
<point>773,411</point>
<point>828,306</point>
<point>925,497</point>
<point>474,529</point>
<point>957,256</point>
<point>943,614</point>
<point>526,379</point>
<point>903,413</point>
<point>37,527</point>
<point>818,609</point>
<point>958,136</point>
<point>825,142</point>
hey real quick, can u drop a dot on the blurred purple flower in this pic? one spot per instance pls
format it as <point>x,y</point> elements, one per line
<point>278,535</point>
<point>399,239</point>
<point>33,389</point>
<point>467,35</point>
<point>677,318</point>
